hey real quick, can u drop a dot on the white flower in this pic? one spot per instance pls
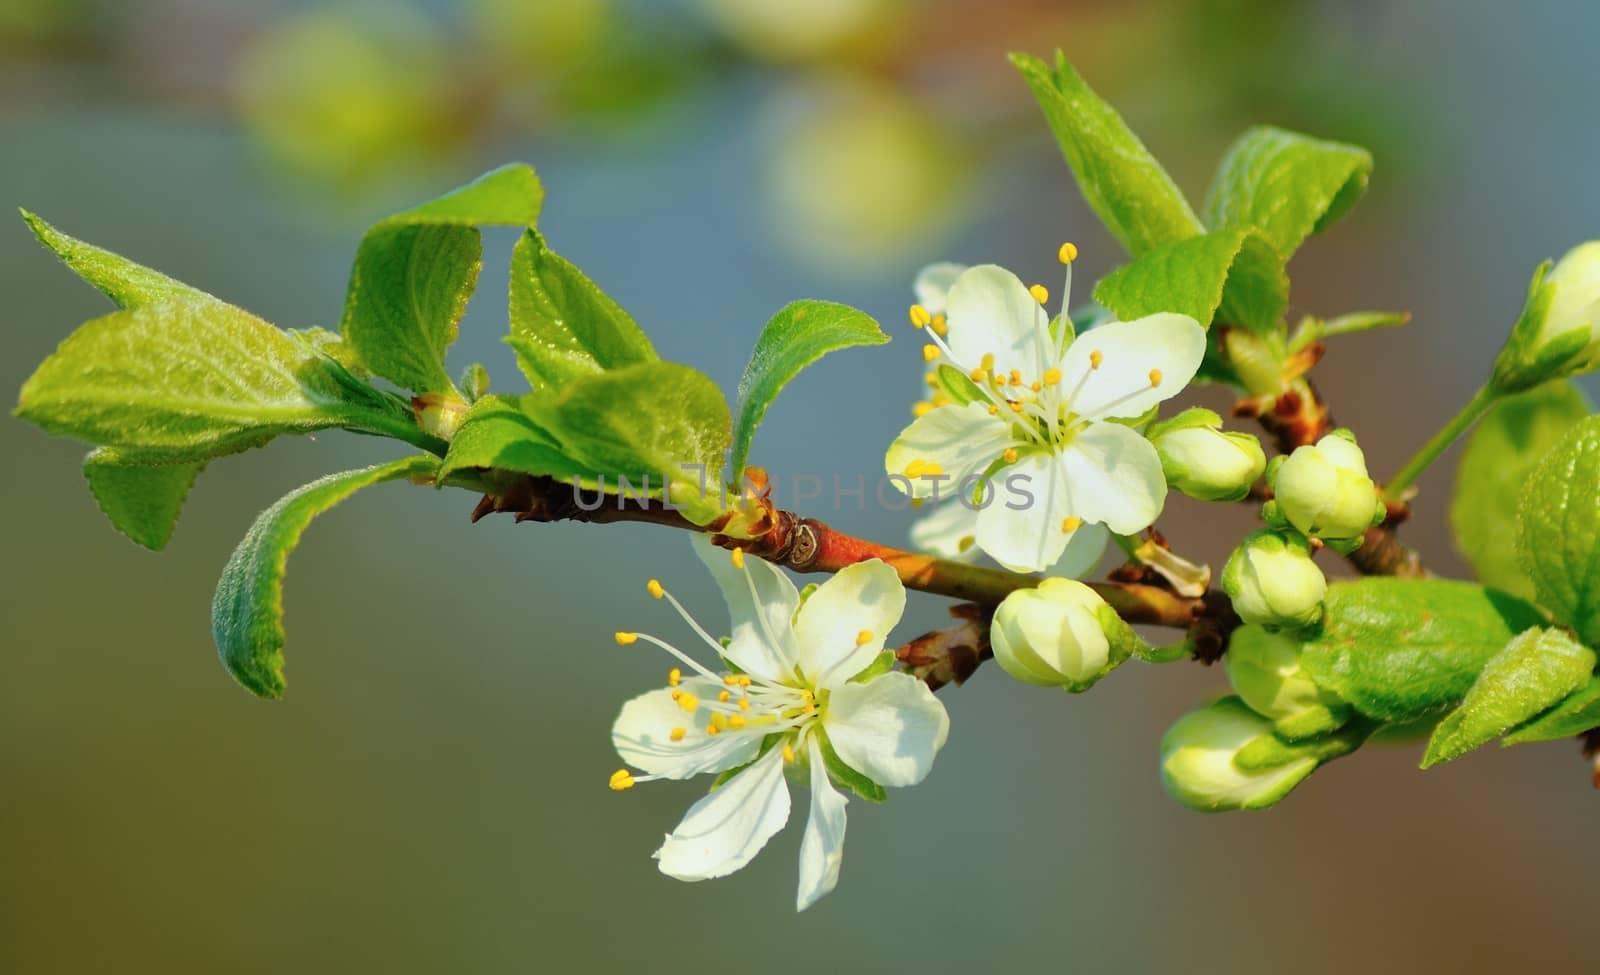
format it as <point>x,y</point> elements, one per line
<point>791,698</point>
<point>1038,430</point>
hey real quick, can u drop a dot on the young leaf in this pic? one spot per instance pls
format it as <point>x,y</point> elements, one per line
<point>1288,185</point>
<point>1121,181</point>
<point>247,610</point>
<point>1398,649</point>
<point>798,335</point>
<point>194,378</point>
<point>498,434</point>
<point>124,282</point>
<point>1233,276</point>
<point>415,271</point>
<point>656,419</point>
<point>1500,455</point>
<point>1536,670</point>
<point>1575,714</point>
<point>142,497</point>
<point>563,327</point>
<point>1558,539</point>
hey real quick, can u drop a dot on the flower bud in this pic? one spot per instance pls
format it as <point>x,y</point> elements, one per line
<point>1324,490</point>
<point>1199,767</point>
<point>1273,582</point>
<point>1056,635</point>
<point>1575,304</point>
<point>1264,669</point>
<point>1202,461</point>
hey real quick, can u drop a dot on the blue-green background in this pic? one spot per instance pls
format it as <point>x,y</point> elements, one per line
<point>430,795</point>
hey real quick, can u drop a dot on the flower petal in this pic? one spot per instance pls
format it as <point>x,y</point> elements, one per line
<point>1170,344</point>
<point>1021,526</point>
<point>960,440</point>
<point>932,286</point>
<point>949,531</point>
<point>725,830</point>
<point>888,728</point>
<point>1084,548</point>
<point>642,735</point>
<point>1115,476</point>
<point>766,651</point>
<point>991,312</point>
<point>822,848</point>
<point>865,599</point>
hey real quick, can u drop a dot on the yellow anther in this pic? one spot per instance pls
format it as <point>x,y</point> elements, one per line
<point>1068,253</point>
<point>744,704</point>
<point>1052,376</point>
<point>676,694</point>
<point>920,316</point>
<point>1095,358</point>
<point>732,680</point>
<point>1016,377</point>
<point>674,676</point>
<point>994,408</point>
<point>1040,293</point>
<point>1010,455</point>
<point>987,362</point>
<point>1016,405</point>
<point>921,409</point>
<point>688,702</point>
<point>676,734</point>
<point>916,503</point>
<point>718,722</point>
<point>930,353</point>
<point>712,731</point>
<point>1036,386</point>
<point>1155,378</point>
<point>863,638</point>
<point>979,375</point>
<point>654,588</point>
<point>940,399</point>
<point>736,721</point>
<point>940,327</point>
<point>738,558</point>
<point>724,696</point>
<point>744,681</point>
<point>932,379</point>
<point>811,707</point>
<point>788,753</point>
<point>919,468</point>
<point>621,780</point>
<point>624,638</point>
<point>807,696</point>
<point>1071,524</point>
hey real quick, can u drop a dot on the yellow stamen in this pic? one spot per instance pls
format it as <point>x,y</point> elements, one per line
<point>1036,386</point>
<point>1155,378</point>
<point>932,379</point>
<point>1040,293</point>
<point>979,375</point>
<point>920,316</point>
<point>921,409</point>
<point>1052,376</point>
<point>930,353</point>
<point>918,468</point>
<point>712,731</point>
<point>939,326</point>
<point>688,702</point>
<point>654,588</point>
<point>1068,253</point>
<point>863,638</point>
<point>1071,524</point>
<point>987,362</point>
<point>1016,405</point>
<point>916,503</point>
<point>1010,455</point>
<point>674,676</point>
<point>724,696</point>
<point>744,704</point>
<point>736,721</point>
<point>807,696</point>
<point>676,734</point>
<point>941,399</point>
<point>624,638</point>
<point>1095,358</point>
<point>788,753</point>
<point>738,558</point>
<point>621,780</point>
<point>994,409</point>
<point>744,681</point>
<point>732,680</point>
<point>718,721</point>
<point>1016,377</point>
<point>676,694</point>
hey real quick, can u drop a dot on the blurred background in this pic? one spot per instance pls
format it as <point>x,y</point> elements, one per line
<point>430,796</point>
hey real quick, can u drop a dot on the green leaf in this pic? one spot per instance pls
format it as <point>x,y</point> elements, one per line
<point>1121,181</point>
<point>1233,276</point>
<point>563,327</point>
<point>657,419</point>
<point>797,336</point>
<point>498,434</point>
<point>1575,714</point>
<point>842,773</point>
<point>415,271</point>
<point>1288,185</point>
<point>1499,457</point>
<point>247,610</point>
<point>143,498</point>
<point>1398,649</point>
<point>194,379</point>
<point>123,281</point>
<point>1558,539</point>
<point>1536,670</point>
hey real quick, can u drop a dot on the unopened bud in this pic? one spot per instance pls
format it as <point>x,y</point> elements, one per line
<point>1059,634</point>
<point>1264,669</point>
<point>1574,307</point>
<point>1273,582</point>
<point>1202,461</point>
<point>1323,489</point>
<point>1199,767</point>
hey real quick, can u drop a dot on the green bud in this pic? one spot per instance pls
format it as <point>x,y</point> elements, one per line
<point>1324,491</point>
<point>1060,634</point>
<point>1202,461</point>
<point>1264,669</point>
<point>1198,766</point>
<point>1273,582</point>
<point>1574,305</point>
